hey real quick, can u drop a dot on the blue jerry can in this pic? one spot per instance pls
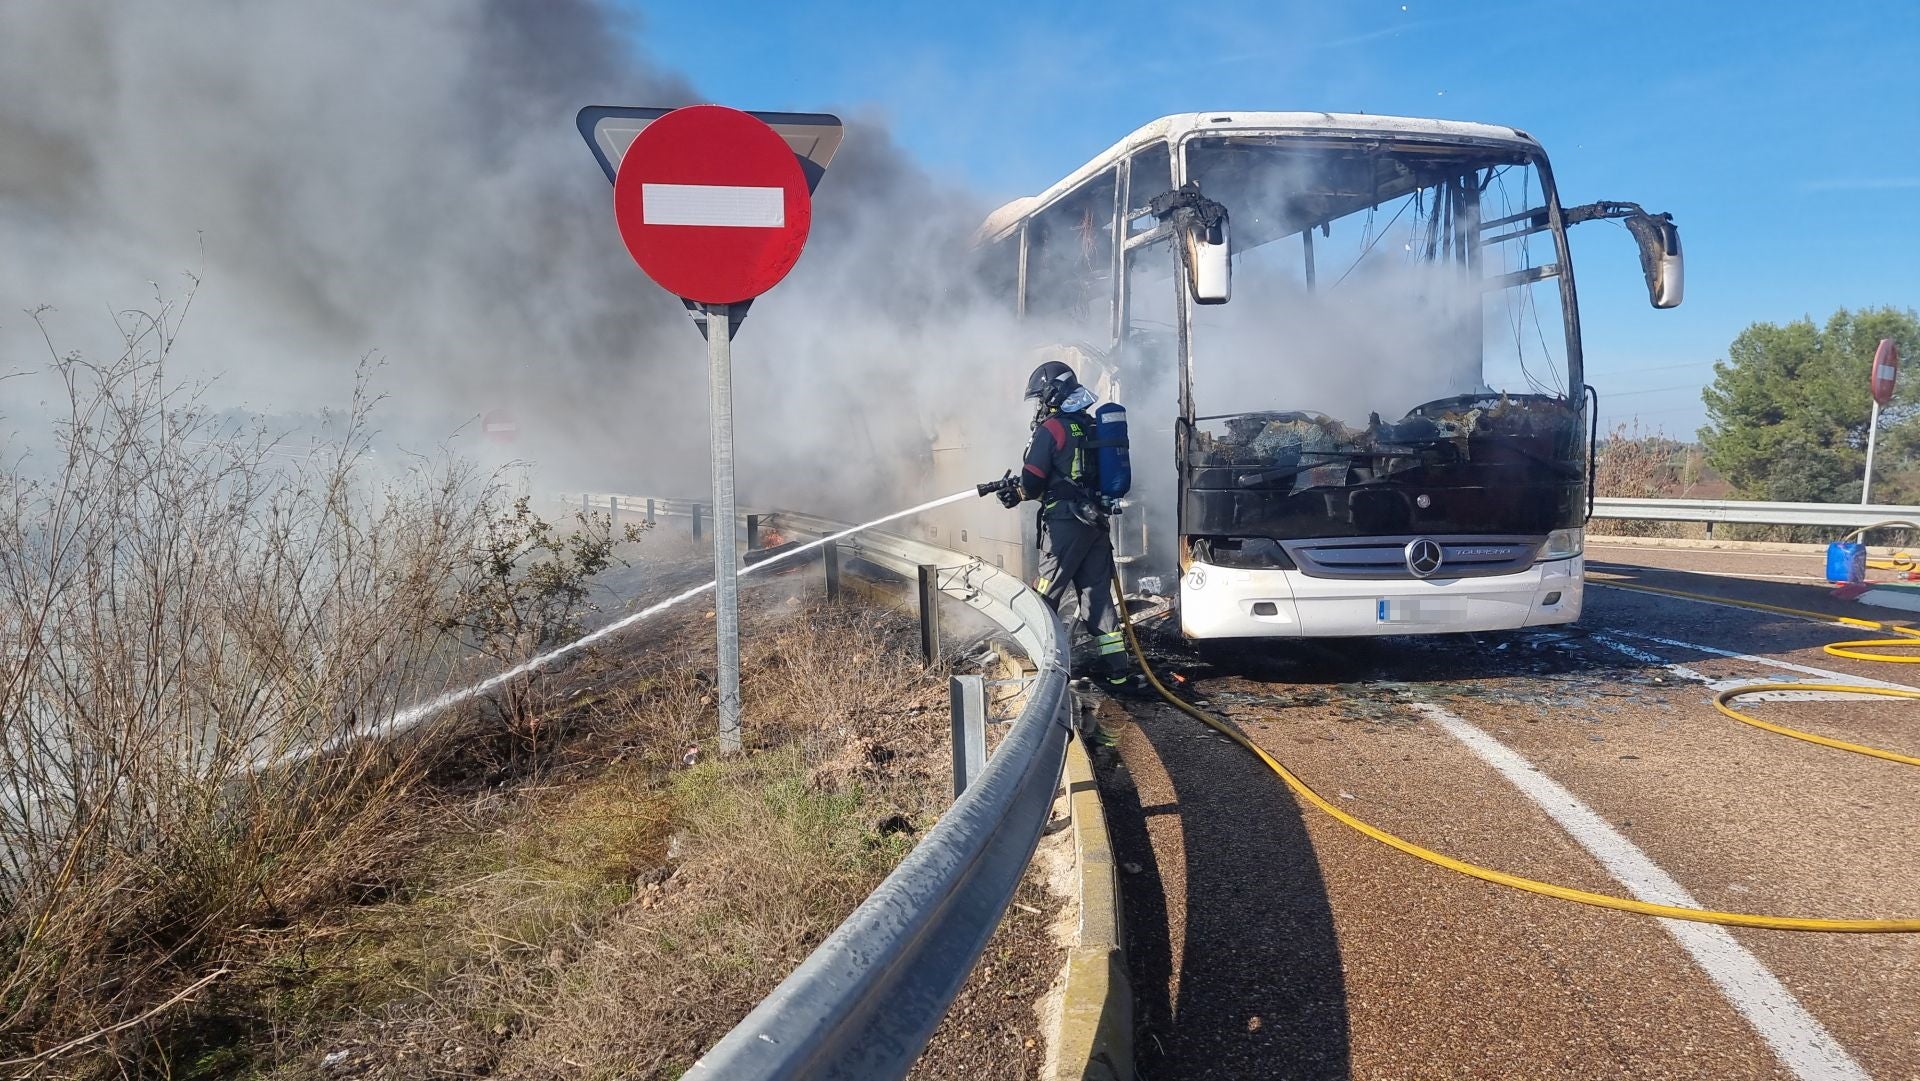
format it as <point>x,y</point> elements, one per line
<point>1846,561</point>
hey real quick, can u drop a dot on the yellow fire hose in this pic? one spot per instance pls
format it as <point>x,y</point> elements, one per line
<point>1488,874</point>
<point>1900,561</point>
<point>1858,650</point>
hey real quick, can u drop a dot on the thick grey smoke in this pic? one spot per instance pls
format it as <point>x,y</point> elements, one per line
<point>406,179</point>
<point>344,177</point>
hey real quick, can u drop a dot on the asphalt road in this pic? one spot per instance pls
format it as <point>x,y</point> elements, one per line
<point>1269,941</point>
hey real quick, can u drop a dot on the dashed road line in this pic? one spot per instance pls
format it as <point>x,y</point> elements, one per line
<point>1802,1044</point>
<point>1770,662</point>
<point>1717,684</point>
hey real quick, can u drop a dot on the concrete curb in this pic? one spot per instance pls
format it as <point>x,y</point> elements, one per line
<point>1094,1040</point>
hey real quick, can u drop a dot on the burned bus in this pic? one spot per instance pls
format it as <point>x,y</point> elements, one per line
<point>1349,346</point>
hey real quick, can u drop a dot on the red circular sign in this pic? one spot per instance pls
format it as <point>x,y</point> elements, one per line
<point>1886,368</point>
<point>499,426</point>
<point>712,204</point>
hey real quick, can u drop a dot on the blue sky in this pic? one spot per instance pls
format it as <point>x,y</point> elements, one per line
<point>1784,137</point>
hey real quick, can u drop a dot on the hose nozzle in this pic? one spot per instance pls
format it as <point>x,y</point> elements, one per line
<point>993,486</point>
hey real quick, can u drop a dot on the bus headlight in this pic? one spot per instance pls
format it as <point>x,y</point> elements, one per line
<point>1563,544</point>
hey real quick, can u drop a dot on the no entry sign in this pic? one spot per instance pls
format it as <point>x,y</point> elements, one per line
<point>499,426</point>
<point>712,204</point>
<point>1886,368</point>
<point>715,205</point>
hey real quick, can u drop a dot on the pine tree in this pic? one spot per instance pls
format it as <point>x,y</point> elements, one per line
<point>1787,410</point>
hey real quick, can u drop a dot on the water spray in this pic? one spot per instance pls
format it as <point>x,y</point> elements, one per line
<point>414,715</point>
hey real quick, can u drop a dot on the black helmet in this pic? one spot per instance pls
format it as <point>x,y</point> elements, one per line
<point>1050,384</point>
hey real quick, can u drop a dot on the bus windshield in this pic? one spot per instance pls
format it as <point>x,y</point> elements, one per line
<point>1396,319</point>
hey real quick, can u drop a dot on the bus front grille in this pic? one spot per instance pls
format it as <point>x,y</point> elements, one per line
<point>1387,557</point>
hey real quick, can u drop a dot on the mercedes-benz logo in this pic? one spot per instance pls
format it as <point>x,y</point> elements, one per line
<point>1423,557</point>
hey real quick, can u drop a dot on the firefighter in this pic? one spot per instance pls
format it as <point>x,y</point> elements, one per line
<point>1076,551</point>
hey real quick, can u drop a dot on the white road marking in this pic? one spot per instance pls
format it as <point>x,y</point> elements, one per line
<point>1901,599</point>
<point>713,204</point>
<point>1769,662</point>
<point>1644,657</point>
<point>1797,1038</point>
<point>1717,685</point>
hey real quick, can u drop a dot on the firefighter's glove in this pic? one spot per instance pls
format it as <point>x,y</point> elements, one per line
<point>1009,497</point>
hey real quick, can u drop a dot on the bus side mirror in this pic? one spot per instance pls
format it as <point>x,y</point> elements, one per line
<point>1660,258</point>
<point>1200,228</point>
<point>1209,271</point>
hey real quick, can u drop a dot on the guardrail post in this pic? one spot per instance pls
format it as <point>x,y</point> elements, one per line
<point>649,510</point>
<point>1080,710</point>
<point>930,613</point>
<point>968,697</point>
<point>1709,530</point>
<point>613,512</point>
<point>753,531</point>
<point>832,554</point>
<point>696,521</point>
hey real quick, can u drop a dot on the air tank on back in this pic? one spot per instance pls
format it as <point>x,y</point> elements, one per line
<point>1114,463</point>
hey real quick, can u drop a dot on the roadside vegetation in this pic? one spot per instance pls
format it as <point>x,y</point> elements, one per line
<point>187,609</point>
<point>1787,410</point>
<point>1787,415</point>
<point>206,870</point>
<point>1632,463</point>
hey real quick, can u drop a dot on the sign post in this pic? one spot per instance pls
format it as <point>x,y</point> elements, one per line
<point>726,589</point>
<point>1886,368</point>
<point>715,205</point>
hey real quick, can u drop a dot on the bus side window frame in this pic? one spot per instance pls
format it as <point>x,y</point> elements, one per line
<point>1140,186</point>
<point>1030,269</point>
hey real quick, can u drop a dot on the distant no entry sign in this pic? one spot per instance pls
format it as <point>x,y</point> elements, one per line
<point>499,426</point>
<point>712,204</point>
<point>1886,368</point>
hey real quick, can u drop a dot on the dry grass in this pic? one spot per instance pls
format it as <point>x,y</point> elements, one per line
<point>1648,465</point>
<point>615,914</point>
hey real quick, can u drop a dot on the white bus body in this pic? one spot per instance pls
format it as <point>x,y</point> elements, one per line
<point>1318,273</point>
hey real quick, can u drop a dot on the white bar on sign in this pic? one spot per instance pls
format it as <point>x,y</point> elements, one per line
<point>713,204</point>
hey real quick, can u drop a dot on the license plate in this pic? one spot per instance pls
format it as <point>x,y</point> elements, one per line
<point>1409,610</point>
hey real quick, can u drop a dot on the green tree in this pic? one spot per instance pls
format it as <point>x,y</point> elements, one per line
<point>1787,409</point>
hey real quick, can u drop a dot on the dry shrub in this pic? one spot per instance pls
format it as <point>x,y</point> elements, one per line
<point>1632,464</point>
<point>523,590</point>
<point>196,619</point>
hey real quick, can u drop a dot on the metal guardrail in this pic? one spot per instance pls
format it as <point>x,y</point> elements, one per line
<point>1752,512</point>
<point>866,1001</point>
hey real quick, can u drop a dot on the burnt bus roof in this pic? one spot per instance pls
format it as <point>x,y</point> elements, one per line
<point>1181,125</point>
